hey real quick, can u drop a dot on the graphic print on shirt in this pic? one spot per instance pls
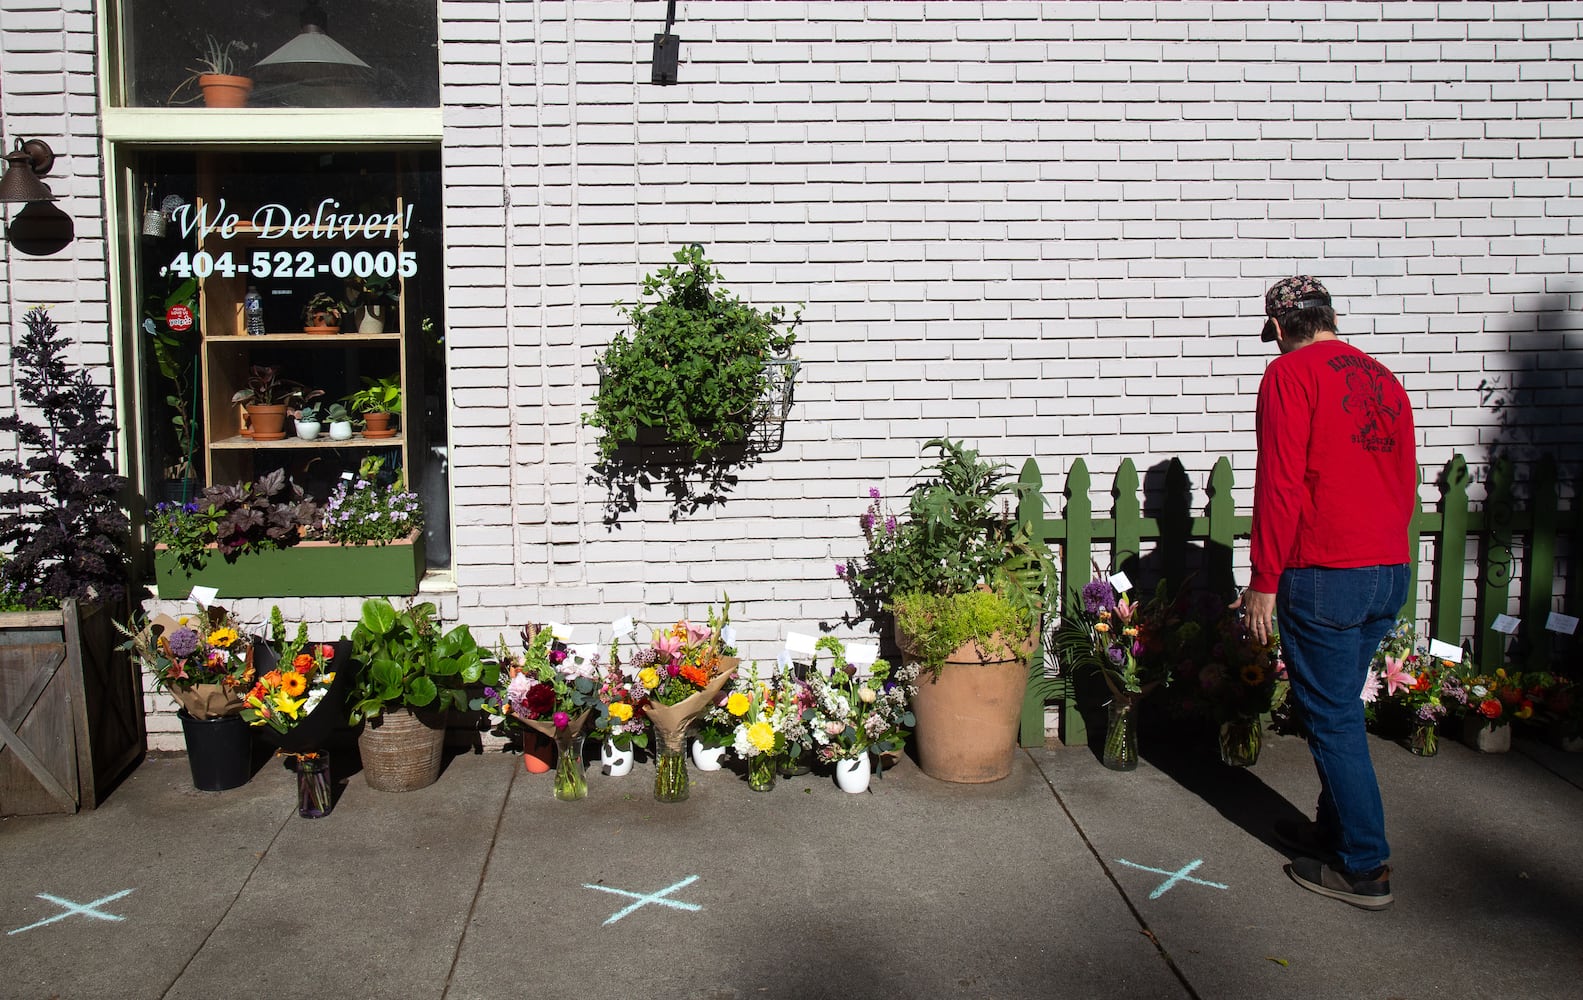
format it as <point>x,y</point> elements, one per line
<point>1368,401</point>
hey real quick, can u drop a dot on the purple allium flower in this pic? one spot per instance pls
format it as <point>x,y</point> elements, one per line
<point>1098,595</point>
<point>183,642</point>
<point>489,693</point>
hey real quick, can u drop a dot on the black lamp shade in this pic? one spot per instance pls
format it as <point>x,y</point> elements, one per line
<point>24,166</point>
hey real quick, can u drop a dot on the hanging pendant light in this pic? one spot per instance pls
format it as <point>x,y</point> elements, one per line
<point>313,69</point>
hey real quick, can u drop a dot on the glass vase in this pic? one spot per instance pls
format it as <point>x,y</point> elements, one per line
<point>1121,739</point>
<point>791,765</point>
<point>1424,740</point>
<point>570,785</point>
<point>761,771</point>
<point>314,795</point>
<point>1239,742</point>
<point>670,768</point>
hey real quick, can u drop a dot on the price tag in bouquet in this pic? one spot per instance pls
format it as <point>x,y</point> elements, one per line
<point>1561,624</point>
<point>1119,581</point>
<point>800,646</point>
<point>862,657</point>
<point>204,596</point>
<point>1506,624</point>
<point>623,628</point>
<point>561,631</point>
<point>728,635</point>
<point>1445,651</point>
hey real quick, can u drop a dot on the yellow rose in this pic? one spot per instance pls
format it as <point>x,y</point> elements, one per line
<point>649,678</point>
<point>738,703</point>
<point>620,711</point>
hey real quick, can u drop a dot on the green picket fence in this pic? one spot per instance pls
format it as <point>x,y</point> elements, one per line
<point>1198,539</point>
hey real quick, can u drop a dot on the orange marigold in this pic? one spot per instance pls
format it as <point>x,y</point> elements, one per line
<point>694,675</point>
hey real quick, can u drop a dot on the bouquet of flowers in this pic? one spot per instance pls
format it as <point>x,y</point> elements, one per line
<point>681,672</point>
<point>285,696</point>
<point>1123,639</point>
<point>855,713</point>
<point>204,661</point>
<point>555,693</point>
<point>621,718</point>
<point>759,738</point>
<point>1497,698</point>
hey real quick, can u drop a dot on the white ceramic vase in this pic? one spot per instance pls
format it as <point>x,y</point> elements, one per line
<point>853,775</point>
<point>707,758</point>
<point>309,429</point>
<point>1485,737</point>
<point>613,760</point>
<point>340,430</point>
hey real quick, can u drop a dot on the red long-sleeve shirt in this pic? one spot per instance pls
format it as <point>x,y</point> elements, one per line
<point>1337,465</point>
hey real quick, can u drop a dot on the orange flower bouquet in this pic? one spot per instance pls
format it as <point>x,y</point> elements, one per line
<point>677,678</point>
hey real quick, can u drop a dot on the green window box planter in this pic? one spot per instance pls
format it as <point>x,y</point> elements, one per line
<point>307,569</point>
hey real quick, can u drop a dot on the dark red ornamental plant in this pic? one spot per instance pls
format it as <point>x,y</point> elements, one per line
<point>61,520</point>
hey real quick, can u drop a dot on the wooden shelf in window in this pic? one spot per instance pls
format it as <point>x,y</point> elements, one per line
<point>240,443</point>
<point>310,339</point>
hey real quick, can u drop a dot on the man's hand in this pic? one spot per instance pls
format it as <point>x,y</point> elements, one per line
<point>1258,610</point>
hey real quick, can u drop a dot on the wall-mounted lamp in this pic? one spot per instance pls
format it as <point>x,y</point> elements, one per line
<point>37,228</point>
<point>313,69</point>
<point>24,166</point>
<point>667,50</point>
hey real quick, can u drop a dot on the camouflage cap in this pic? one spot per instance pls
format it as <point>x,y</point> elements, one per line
<point>1289,295</point>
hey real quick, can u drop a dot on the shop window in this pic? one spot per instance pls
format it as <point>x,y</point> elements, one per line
<point>234,247</point>
<point>288,54</point>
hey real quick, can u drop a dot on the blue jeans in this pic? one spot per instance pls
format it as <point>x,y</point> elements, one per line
<point>1331,623</point>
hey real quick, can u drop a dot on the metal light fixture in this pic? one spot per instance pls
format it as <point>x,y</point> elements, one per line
<point>38,227</point>
<point>667,51</point>
<point>24,166</point>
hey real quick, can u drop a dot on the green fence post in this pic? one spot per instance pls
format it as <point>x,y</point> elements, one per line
<point>1129,520</point>
<point>1414,545</point>
<point>1076,559</point>
<point>1030,514</point>
<point>1541,565</point>
<point>1451,554</point>
<point>1222,531</point>
<point>1496,556</point>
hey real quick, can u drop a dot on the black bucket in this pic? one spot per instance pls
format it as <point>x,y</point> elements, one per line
<point>219,751</point>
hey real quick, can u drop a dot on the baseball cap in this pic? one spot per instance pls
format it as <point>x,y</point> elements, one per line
<point>1289,295</point>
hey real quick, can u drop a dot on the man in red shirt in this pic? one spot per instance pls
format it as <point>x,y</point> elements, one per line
<point>1334,491</point>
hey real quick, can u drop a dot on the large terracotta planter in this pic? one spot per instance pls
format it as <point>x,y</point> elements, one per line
<point>967,717</point>
<point>401,750</point>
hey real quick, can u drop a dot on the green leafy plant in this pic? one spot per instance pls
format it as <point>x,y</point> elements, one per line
<point>378,395</point>
<point>323,309</point>
<point>265,387</point>
<point>406,660</point>
<point>372,291</point>
<point>692,367</point>
<point>176,357</point>
<point>270,513</point>
<point>959,541</point>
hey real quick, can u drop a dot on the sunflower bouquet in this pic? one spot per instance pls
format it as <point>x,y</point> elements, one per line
<point>204,661</point>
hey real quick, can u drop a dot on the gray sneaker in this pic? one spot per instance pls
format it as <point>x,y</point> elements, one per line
<point>1370,890</point>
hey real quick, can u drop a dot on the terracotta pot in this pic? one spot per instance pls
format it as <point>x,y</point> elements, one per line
<point>401,750</point>
<point>377,425</point>
<point>269,422</point>
<point>222,91</point>
<point>538,752</point>
<point>322,329</point>
<point>967,717</point>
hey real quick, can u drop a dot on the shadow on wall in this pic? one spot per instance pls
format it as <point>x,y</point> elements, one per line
<point>1536,406</point>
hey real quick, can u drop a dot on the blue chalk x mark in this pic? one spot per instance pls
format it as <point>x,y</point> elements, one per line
<point>644,899</point>
<point>1180,875</point>
<point>75,910</point>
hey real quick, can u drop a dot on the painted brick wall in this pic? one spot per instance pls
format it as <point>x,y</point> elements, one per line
<point>1043,228</point>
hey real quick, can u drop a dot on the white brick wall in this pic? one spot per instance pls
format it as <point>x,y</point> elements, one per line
<point>1045,228</point>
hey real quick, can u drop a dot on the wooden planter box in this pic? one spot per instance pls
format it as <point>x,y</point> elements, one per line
<point>71,710</point>
<point>307,569</point>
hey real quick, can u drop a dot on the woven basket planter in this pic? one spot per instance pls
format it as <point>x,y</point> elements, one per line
<point>401,750</point>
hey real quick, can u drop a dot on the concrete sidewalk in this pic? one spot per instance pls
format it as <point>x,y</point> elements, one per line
<point>1065,880</point>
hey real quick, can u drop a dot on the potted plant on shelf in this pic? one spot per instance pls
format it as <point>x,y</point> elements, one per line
<point>371,300</point>
<point>411,674</point>
<point>695,370</point>
<point>309,418</point>
<point>323,314</point>
<point>340,421</point>
<point>267,397</point>
<point>377,402</point>
<point>75,716</point>
<point>217,76</point>
<point>964,581</point>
